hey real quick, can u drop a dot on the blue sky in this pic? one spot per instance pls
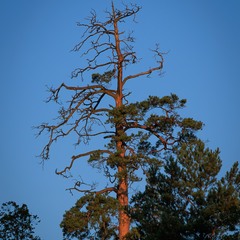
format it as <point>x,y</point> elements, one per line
<point>202,39</point>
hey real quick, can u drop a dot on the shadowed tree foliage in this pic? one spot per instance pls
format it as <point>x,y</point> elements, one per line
<point>16,223</point>
<point>92,217</point>
<point>132,135</point>
<point>187,200</point>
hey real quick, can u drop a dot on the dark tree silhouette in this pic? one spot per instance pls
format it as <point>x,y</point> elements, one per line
<point>16,223</point>
<point>189,200</point>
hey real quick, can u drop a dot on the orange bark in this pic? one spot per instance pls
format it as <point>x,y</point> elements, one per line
<point>122,193</point>
<point>122,196</point>
<point>124,220</point>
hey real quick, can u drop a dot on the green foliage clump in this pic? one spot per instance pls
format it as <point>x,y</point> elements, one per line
<point>92,217</point>
<point>103,78</point>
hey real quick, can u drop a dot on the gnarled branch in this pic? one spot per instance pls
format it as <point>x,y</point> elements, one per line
<point>68,168</point>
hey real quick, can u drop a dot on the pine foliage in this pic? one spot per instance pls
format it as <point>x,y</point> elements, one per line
<point>188,199</point>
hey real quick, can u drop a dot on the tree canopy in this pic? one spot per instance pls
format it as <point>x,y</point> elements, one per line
<point>188,199</point>
<point>16,222</point>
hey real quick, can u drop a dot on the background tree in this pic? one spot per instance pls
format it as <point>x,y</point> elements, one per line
<point>16,223</point>
<point>92,217</point>
<point>187,200</point>
<point>133,135</point>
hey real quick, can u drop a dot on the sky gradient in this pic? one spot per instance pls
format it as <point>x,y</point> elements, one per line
<point>202,42</point>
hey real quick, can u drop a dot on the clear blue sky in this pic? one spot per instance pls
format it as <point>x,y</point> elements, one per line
<point>203,40</point>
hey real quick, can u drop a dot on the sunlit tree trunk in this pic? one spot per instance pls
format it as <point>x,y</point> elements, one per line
<point>122,190</point>
<point>124,220</point>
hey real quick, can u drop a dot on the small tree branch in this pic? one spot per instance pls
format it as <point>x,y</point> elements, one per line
<point>147,128</point>
<point>68,168</point>
<point>141,74</point>
<point>148,72</point>
<point>78,71</point>
<point>109,189</point>
<point>91,190</point>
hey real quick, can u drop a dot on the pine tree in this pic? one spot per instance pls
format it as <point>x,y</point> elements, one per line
<point>188,199</point>
<point>136,134</point>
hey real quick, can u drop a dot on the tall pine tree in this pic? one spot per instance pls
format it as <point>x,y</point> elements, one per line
<point>188,199</point>
<point>97,106</point>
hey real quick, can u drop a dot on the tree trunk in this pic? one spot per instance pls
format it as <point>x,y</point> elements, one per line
<point>124,220</point>
<point>122,196</point>
<point>122,192</point>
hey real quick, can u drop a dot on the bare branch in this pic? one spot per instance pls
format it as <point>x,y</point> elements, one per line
<point>78,71</point>
<point>109,189</point>
<point>141,73</point>
<point>55,92</point>
<point>149,71</point>
<point>91,189</point>
<point>68,168</point>
<point>119,16</point>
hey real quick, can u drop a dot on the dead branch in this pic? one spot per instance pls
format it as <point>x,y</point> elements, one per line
<point>91,190</point>
<point>142,73</point>
<point>149,71</point>
<point>68,168</point>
